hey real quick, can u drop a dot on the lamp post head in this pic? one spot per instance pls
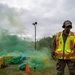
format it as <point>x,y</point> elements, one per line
<point>35,23</point>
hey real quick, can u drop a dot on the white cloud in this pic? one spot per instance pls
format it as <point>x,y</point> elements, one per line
<point>50,15</point>
<point>27,4</point>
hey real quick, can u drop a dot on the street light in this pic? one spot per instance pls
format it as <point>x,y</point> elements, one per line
<point>35,24</point>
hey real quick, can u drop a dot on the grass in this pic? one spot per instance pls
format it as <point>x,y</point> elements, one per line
<point>13,70</point>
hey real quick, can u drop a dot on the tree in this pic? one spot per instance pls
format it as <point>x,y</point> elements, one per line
<point>44,42</point>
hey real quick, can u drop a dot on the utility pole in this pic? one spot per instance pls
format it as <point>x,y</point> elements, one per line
<point>35,24</point>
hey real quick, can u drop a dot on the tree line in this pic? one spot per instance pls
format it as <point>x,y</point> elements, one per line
<point>13,42</point>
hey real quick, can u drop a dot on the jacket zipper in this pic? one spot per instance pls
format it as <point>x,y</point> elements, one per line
<point>64,47</point>
<point>63,50</point>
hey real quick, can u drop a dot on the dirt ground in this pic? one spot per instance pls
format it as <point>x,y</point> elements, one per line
<point>13,70</point>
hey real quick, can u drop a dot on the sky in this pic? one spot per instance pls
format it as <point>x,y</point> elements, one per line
<point>17,16</point>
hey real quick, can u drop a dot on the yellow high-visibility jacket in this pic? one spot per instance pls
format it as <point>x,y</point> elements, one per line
<point>65,50</point>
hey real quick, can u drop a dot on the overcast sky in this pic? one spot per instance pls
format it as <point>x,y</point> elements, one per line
<point>17,16</point>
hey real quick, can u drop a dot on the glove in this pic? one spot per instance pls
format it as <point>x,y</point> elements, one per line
<point>53,55</point>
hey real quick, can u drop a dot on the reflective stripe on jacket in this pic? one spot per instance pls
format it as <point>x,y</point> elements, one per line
<point>65,50</point>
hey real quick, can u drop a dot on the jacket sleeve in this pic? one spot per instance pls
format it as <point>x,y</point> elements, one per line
<point>53,47</point>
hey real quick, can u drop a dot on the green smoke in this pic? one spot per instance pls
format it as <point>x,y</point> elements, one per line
<point>18,48</point>
<point>12,45</point>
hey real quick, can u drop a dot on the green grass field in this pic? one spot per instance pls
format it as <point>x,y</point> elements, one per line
<point>13,70</point>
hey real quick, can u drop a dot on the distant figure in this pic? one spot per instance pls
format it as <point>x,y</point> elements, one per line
<point>63,49</point>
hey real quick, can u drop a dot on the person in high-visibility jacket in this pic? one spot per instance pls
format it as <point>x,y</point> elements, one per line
<point>63,49</point>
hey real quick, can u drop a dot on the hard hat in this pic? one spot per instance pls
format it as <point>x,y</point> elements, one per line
<point>67,23</point>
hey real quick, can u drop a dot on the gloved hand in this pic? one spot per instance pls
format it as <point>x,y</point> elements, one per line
<point>53,55</point>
